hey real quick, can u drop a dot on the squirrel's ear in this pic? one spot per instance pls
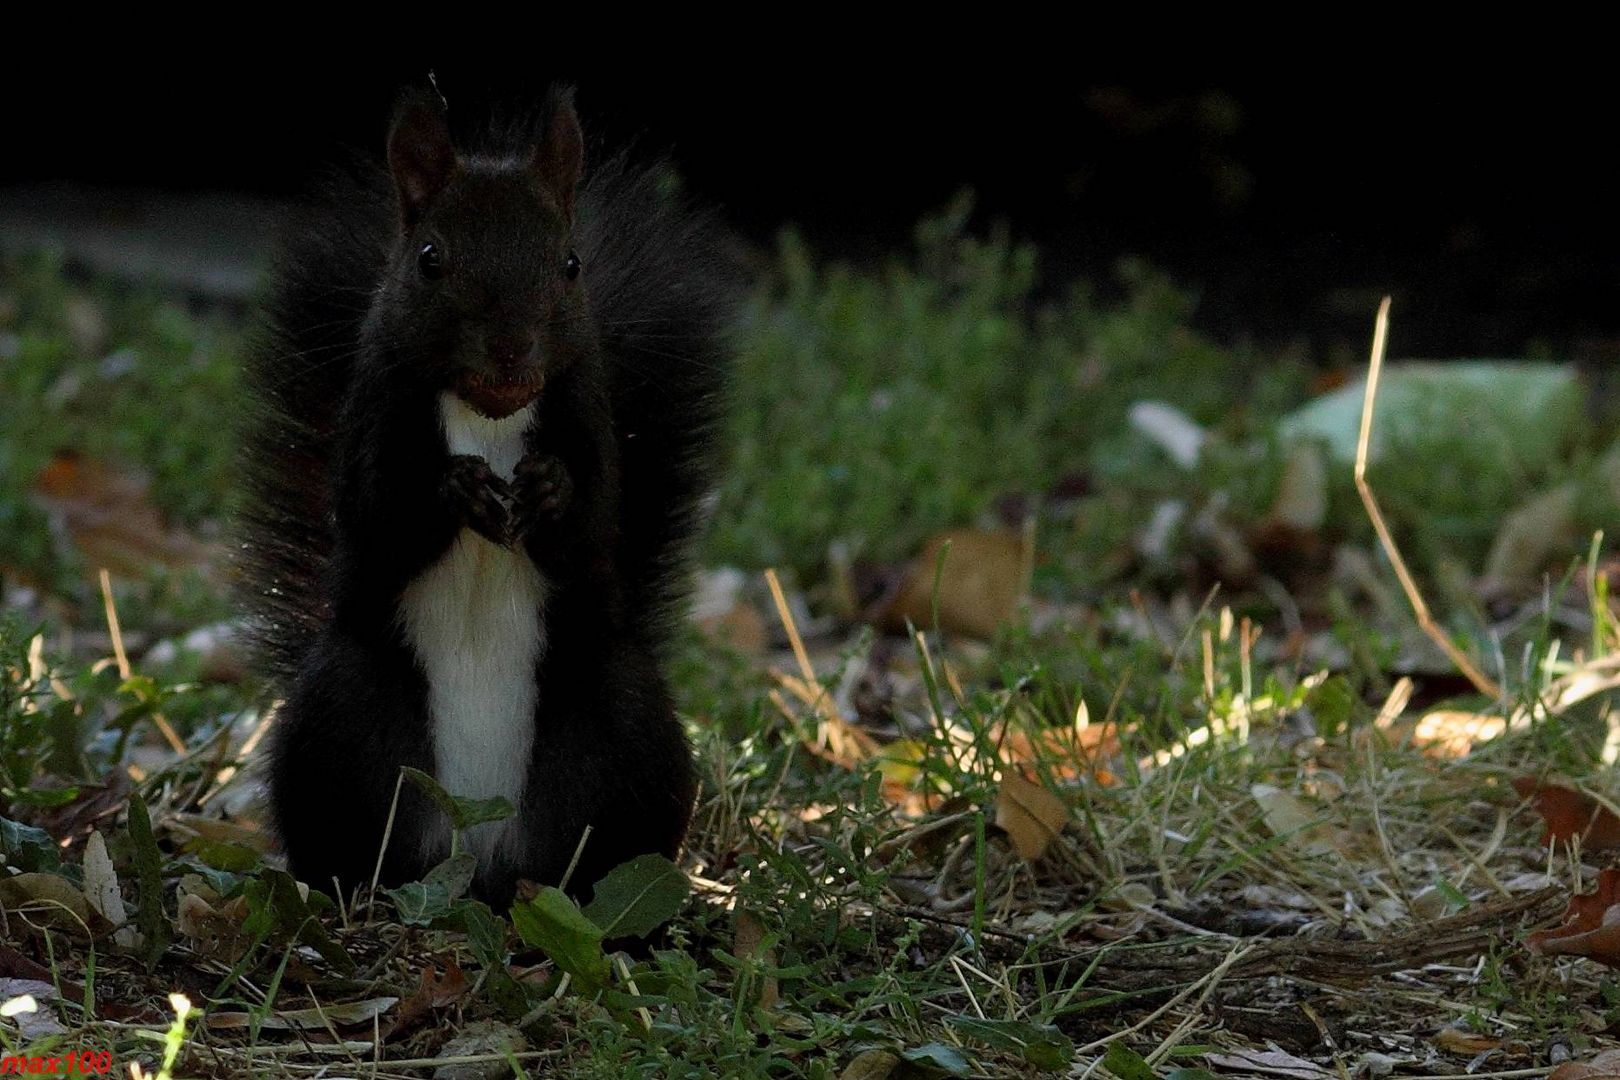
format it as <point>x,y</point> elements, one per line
<point>560,158</point>
<point>420,154</point>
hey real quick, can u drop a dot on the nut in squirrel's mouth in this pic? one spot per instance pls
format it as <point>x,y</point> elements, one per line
<point>499,396</point>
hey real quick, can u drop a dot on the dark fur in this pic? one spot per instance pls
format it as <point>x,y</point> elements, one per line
<point>351,494</point>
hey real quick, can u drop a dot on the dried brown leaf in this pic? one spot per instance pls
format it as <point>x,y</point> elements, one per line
<point>979,586</point>
<point>1452,733</point>
<point>340,1014</point>
<point>1289,816</point>
<point>1070,752</point>
<point>51,901</point>
<point>1268,1063</point>
<point>1591,925</point>
<point>749,945</point>
<point>1570,814</point>
<point>1457,1041</point>
<point>1030,814</point>
<point>435,989</point>
<point>1602,1066</point>
<point>871,1065</point>
<point>111,519</point>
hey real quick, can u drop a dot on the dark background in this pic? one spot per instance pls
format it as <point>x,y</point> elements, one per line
<point>1485,202</point>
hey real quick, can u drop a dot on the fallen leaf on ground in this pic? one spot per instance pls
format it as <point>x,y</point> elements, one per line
<point>1289,816</point>
<point>1271,1062</point>
<point>1591,925</point>
<point>1457,1041</point>
<point>871,1065</point>
<point>38,1022</point>
<point>435,989</point>
<point>488,1039</point>
<point>900,763</point>
<point>213,828</point>
<point>1603,1066</point>
<point>750,937</point>
<point>214,932</point>
<point>1450,733</point>
<point>979,585</point>
<point>928,839</point>
<point>1570,813</point>
<point>93,803</point>
<point>1030,815</point>
<point>51,901</point>
<point>1071,751</point>
<point>108,514</point>
<point>101,888</point>
<point>343,1014</point>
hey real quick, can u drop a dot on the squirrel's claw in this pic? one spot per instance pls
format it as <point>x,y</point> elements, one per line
<point>542,491</point>
<point>479,496</point>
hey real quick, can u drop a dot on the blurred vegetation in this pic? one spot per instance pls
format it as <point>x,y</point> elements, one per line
<point>877,407</point>
<point>109,372</point>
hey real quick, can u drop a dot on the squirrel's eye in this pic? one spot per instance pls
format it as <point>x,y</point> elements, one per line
<point>430,262</point>
<point>571,266</point>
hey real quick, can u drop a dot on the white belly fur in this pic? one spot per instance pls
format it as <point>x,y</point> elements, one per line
<point>473,620</point>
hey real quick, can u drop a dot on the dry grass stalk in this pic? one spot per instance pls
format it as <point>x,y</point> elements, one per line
<point>1420,608</point>
<point>172,737</point>
<point>837,738</point>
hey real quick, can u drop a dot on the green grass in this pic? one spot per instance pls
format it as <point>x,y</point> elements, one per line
<point>828,924</point>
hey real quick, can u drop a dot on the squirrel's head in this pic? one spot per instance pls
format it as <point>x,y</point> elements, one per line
<point>486,290</point>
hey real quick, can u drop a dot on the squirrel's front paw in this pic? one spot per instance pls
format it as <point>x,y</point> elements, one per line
<point>479,496</point>
<point>542,490</point>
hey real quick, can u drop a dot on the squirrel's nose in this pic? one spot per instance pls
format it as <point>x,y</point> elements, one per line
<point>509,350</point>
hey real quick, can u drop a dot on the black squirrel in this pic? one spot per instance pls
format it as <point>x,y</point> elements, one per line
<point>483,415</point>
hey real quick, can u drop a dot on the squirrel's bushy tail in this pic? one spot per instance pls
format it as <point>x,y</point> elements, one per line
<point>297,370</point>
<point>662,290</point>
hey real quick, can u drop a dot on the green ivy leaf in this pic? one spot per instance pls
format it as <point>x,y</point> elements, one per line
<point>224,855</point>
<point>420,903</point>
<point>223,882</point>
<point>1127,1064</point>
<point>938,1057</point>
<point>486,937</point>
<point>1042,1046</point>
<point>463,813</point>
<point>292,915</point>
<point>553,923</point>
<point>149,917</point>
<point>455,875</point>
<point>637,897</point>
<point>27,848</point>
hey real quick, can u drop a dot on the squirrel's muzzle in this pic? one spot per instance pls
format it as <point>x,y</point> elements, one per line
<point>500,394</point>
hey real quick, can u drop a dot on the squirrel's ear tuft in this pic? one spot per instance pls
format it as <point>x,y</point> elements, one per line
<point>420,153</point>
<point>560,157</point>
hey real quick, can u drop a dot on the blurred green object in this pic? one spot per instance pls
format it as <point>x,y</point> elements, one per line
<point>1454,445</point>
<point>1529,409</point>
